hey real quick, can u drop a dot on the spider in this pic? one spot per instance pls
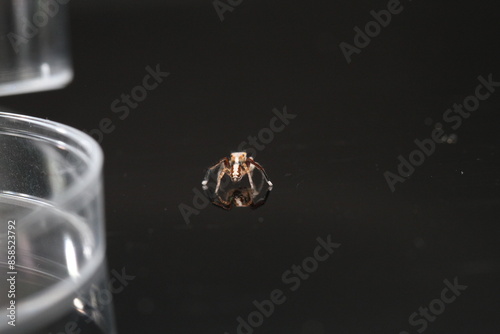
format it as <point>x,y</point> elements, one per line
<point>236,167</point>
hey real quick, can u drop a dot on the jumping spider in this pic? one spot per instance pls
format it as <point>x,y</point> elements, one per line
<point>236,167</point>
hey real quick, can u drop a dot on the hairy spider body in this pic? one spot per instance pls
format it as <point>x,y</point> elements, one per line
<point>237,166</point>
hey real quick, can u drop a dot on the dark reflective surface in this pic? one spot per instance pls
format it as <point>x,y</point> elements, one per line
<point>335,130</point>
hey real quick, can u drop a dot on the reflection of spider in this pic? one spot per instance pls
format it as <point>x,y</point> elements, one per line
<point>236,167</point>
<point>240,197</point>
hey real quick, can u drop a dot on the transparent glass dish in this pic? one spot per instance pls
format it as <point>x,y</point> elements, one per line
<point>52,236</point>
<point>34,46</point>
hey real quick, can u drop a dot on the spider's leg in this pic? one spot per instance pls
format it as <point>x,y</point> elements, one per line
<point>251,167</point>
<point>259,167</point>
<point>222,171</point>
<point>209,170</point>
<point>224,161</point>
<point>261,183</point>
<point>249,173</point>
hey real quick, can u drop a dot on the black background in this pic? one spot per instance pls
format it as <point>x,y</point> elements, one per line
<point>353,121</point>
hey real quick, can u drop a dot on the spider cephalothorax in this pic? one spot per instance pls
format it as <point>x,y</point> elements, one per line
<point>237,166</point>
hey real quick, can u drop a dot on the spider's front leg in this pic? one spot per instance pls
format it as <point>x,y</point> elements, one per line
<point>259,167</point>
<point>223,162</point>
<point>249,170</point>
<point>222,172</point>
